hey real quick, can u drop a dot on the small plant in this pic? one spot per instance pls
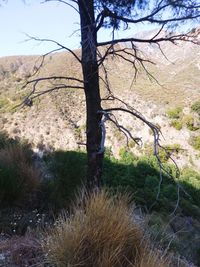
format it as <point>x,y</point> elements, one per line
<point>100,233</point>
<point>77,133</point>
<point>196,107</point>
<point>132,144</point>
<point>190,123</point>
<point>175,113</point>
<point>177,124</point>
<point>195,142</point>
<point>168,150</point>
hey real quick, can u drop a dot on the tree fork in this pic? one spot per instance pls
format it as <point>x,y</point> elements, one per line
<point>92,93</point>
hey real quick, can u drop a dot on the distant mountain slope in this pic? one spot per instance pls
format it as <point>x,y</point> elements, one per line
<point>58,119</point>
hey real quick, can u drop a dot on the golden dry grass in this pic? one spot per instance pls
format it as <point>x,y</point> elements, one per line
<point>19,177</point>
<point>20,157</point>
<point>100,233</point>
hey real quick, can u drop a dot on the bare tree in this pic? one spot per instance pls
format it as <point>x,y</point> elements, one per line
<point>115,14</point>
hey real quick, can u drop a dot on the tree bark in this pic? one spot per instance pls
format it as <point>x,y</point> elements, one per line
<point>92,92</point>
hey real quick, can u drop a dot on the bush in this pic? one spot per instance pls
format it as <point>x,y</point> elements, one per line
<point>195,142</point>
<point>191,182</point>
<point>126,156</point>
<point>196,107</point>
<point>189,122</point>
<point>177,124</point>
<point>101,233</point>
<point>168,150</point>
<point>18,177</point>
<point>69,172</point>
<point>175,113</point>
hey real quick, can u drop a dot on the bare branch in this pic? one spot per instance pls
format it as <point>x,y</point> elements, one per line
<point>56,43</point>
<point>35,93</point>
<point>172,39</point>
<point>37,68</point>
<point>156,133</point>
<point>63,2</point>
<point>35,81</point>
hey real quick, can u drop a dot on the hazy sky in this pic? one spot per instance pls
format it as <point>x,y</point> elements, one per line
<point>51,20</point>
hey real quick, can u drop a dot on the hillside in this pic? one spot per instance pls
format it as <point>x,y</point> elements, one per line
<point>57,120</point>
<point>34,189</point>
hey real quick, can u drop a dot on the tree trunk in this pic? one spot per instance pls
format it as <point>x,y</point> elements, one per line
<point>92,92</point>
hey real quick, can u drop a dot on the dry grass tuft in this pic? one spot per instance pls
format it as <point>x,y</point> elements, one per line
<point>100,233</point>
<point>19,176</point>
<point>23,251</point>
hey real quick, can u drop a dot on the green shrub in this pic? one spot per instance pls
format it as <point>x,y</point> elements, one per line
<point>151,181</point>
<point>175,113</point>
<point>175,148</point>
<point>127,156</point>
<point>18,176</point>
<point>170,192</point>
<point>69,171</point>
<point>168,150</point>
<point>196,107</point>
<point>189,122</point>
<point>141,176</point>
<point>132,144</point>
<point>108,153</point>
<point>195,142</point>
<point>78,133</point>
<point>177,124</point>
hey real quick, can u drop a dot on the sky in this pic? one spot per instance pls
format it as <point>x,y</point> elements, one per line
<point>50,20</point>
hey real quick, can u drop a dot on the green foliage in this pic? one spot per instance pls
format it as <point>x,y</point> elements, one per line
<point>141,176</point>
<point>196,107</point>
<point>108,153</point>
<point>177,124</point>
<point>165,152</point>
<point>195,142</point>
<point>170,192</point>
<point>69,171</point>
<point>189,122</point>
<point>190,179</point>
<point>77,133</point>
<point>138,176</point>
<point>168,150</point>
<point>127,156</point>
<point>175,148</point>
<point>175,113</point>
<point>132,144</point>
<point>10,188</point>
